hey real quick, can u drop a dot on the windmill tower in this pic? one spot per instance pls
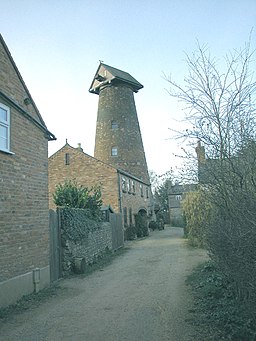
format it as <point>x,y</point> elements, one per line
<point>118,139</point>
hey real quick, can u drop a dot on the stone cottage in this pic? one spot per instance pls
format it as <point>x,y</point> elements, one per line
<point>24,214</point>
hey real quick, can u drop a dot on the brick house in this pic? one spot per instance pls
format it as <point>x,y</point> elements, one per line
<point>176,194</point>
<point>125,193</point>
<point>24,215</point>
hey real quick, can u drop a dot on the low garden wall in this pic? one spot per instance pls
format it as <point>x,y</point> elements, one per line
<point>83,240</point>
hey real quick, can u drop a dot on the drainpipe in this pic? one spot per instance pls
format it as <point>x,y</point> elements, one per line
<point>119,192</point>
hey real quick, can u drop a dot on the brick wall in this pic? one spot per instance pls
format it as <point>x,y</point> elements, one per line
<point>116,103</point>
<point>24,213</point>
<point>134,200</point>
<point>86,170</point>
<point>11,81</point>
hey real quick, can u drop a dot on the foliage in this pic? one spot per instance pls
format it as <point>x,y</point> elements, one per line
<point>70,194</point>
<point>141,225</point>
<point>218,314</point>
<point>197,210</point>
<point>220,104</point>
<point>221,107</point>
<point>77,223</point>
<point>130,232</point>
<point>178,221</point>
<point>157,225</point>
<point>161,190</point>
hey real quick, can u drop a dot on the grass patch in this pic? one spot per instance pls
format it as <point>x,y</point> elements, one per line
<point>217,313</point>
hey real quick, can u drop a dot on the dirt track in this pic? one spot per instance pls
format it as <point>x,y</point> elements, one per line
<point>141,296</point>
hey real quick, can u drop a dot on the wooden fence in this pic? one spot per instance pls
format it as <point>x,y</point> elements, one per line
<point>56,249</point>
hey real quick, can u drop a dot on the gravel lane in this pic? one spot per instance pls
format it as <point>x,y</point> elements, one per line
<point>140,296</point>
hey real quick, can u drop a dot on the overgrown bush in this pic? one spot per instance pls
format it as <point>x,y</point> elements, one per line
<point>130,232</point>
<point>197,211</point>
<point>70,194</point>
<point>178,222</point>
<point>218,314</point>
<point>231,240</point>
<point>141,225</point>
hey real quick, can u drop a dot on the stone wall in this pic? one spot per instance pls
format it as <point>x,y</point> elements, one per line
<point>91,241</point>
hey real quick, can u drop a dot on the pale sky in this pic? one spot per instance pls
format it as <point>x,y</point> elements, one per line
<point>57,45</point>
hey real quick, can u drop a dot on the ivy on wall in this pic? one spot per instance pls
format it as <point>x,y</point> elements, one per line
<point>76,223</point>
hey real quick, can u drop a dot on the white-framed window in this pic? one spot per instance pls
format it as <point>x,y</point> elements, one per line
<point>178,197</point>
<point>133,187</point>
<point>141,190</point>
<point>114,151</point>
<point>4,128</point>
<point>129,186</point>
<point>124,184</point>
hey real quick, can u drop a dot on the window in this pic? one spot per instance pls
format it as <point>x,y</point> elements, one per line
<point>114,125</point>
<point>124,184</point>
<point>133,187</point>
<point>178,197</point>
<point>147,193</point>
<point>4,128</point>
<point>141,190</point>
<point>129,186</point>
<point>130,216</point>
<point>114,151</point>
<point>125,216</point>
<point>67,159</point>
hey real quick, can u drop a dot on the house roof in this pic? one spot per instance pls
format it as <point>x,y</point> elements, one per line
<point>106,74</point>
<point>120,171</point>
<point>40,122</point>
<point>181,188</point>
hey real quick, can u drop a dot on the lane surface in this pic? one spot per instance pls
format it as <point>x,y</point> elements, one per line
<point>141,296</point>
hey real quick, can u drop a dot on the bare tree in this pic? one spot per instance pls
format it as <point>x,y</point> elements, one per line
<point>220,106</point>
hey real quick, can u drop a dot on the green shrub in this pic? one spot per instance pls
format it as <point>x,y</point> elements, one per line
<point>153,225</point>
<point>76,223</point>
<point>197,210</point>
<point>141,225</point>
<point>130,232</point>
<point>70,194</point>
